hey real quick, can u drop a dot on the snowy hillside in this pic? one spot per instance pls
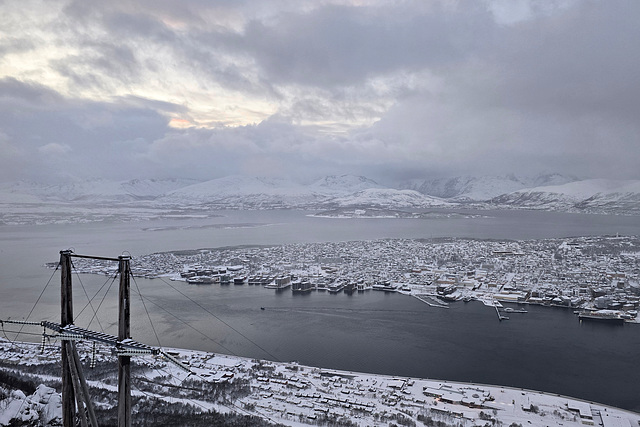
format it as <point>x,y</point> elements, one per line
<point>388,198</point>
<point>242,192</point>
<point>594,195</point>
<point>43,407</point>
<point>331,191</point>
<point>89,191</point>
<point>342,185</point>
<point>471,188</point>
<point>545,192</point>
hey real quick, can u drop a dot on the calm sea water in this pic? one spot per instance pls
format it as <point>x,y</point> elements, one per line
<point>545,349</point>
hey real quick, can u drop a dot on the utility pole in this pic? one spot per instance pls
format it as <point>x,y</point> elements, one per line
<point>124,332</point>
<point>76,402</point>
<point>68,395</point>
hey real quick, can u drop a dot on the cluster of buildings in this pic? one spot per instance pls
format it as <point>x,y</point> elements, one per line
<point>293,394</point>
<point>589,273</point>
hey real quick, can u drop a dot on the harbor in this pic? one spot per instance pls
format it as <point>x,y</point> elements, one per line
<point>512,273</point>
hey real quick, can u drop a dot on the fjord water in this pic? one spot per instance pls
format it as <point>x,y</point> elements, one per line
<point>545,349</point>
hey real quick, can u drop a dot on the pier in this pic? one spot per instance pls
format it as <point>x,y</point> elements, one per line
<point>501,317</point>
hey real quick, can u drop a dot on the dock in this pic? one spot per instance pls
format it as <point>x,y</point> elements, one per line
<point>431,300</point>
<point>501,317</point>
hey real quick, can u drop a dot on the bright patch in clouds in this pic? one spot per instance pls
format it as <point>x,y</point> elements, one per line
<point>180,123</point>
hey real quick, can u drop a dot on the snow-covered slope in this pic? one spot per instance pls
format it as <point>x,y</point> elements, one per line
<point>342,185</point>
<point>331,191</point>
<point>241,191</point>
<point>593,195</point>
<point>90,191</point>
<point>152,188</point>
<point>548,192</point>
<point>388,198</point>
<point>43,407</point>
<point>471,188</point>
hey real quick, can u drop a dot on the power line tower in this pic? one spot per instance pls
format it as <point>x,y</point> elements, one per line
<point>76,402</point>
<point>74,385</point>
<point>124,333</point>
<point>75,392</point>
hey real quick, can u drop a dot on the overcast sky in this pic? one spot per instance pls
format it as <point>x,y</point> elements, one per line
<point>302,88</point>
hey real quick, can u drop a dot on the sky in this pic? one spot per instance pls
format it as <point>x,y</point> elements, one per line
<point>298,89</point>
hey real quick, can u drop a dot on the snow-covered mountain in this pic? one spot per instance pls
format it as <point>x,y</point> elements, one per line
<point>90,191</point>
<point>548,192</point>
<point>387,198</point>
<point>593,195</point>
<point>330,191</point>
<point>472,188</point>
<point>342,184</point>
<point>241,192</point>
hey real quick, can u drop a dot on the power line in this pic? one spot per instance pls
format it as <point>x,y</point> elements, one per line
<point>89,300</point>
<point>96,294</point>
<point>222,321</point>
<point>189,325</point>
<point>145,309</point>
<point>39,296</point>
<point>103,297</point>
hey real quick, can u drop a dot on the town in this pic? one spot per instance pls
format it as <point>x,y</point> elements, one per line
<point>202,383</point>
<point>598,277</point>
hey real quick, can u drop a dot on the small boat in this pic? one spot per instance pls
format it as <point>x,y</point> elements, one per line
<point>261,308</point>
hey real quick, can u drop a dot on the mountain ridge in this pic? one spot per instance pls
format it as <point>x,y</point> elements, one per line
<point>543,192</point>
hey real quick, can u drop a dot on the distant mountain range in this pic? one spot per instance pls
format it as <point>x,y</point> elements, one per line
<point>90,191</point>
<point>547,192</point>
<point>470,188</point>
<point>593,195</point>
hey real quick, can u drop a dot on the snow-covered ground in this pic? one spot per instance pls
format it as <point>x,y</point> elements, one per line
<point>293,394</point>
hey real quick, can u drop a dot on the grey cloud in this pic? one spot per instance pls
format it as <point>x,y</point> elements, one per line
<point>338,45</point>
<point>99,64</point>
<point>53,136</point>
<point>153,104</point>
<point>582,60</point>
<point>554,93</point>
<point>15,44</point>
<point>184,12</point>
<point>34,94</point>
<point>200,52</point>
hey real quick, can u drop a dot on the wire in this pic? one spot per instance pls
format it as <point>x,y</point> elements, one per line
<point>190,326</point>
<point>95,295</point>
<point>225,323</point>
<point>159,397</point>
<point>103,298</point>
<point>87,295</point>
<point>147,311</point>
<point>39,296</point>
<point>19,332</point>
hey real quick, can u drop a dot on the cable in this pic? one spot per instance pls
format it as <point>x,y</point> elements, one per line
<point>103,298</point>
<point>95,295</point>
<point>147,311</point>
<point>225,323</point>
<point>39,296</point>
<point>18,332</point>
<point>190,326</point>
<point>159,397</point>
<point>87,295</point>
